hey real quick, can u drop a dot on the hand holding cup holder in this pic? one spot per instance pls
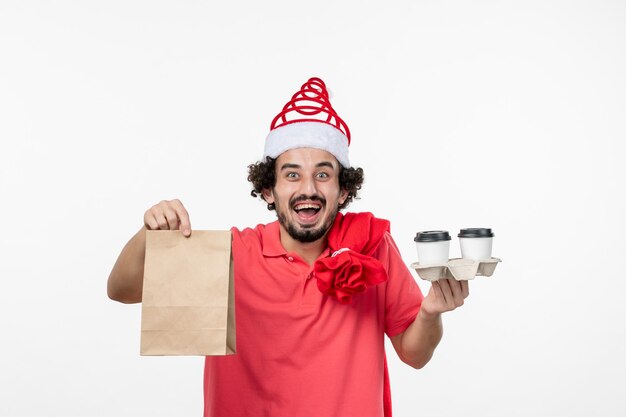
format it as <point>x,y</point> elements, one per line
<point>433,252</point>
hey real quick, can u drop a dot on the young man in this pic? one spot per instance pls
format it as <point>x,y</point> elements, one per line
<point>315,291</point>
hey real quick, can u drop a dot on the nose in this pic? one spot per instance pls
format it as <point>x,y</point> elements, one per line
<point>308,187</point>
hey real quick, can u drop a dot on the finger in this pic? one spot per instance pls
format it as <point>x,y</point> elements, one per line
<point>447,293</point>
<point>439,302</point>
<point>163,225</point>
<point>171,218</point>
<point>183,216</point>
<point>437,290</point>
<point>150,221</point>
<point>159,216</point>
<point>457,292</point>
<point>465,288</point>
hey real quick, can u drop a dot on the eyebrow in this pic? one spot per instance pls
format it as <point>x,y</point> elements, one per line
<point>318,165</point>
<point>325,164</point>
<point>290,166</point>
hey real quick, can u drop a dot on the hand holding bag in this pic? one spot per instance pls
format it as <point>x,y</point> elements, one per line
<point>188,294</point>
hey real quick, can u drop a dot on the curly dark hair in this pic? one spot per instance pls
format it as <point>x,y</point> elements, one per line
<point>262,175</point>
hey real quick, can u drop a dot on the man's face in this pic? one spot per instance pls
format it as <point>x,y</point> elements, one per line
<point>307,194</point>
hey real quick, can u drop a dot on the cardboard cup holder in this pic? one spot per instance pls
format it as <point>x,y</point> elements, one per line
<point>457,268</point>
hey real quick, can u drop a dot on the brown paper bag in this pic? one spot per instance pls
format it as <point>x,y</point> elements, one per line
<point>188,294</point>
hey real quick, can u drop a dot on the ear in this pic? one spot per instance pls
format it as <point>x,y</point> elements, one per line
<point>268,196</point>
<point>343,196</point>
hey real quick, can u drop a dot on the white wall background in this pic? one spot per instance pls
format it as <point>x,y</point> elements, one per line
<point>505,114</point>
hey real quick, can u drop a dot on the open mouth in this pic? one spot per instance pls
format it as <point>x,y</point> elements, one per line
<point>307,212</point>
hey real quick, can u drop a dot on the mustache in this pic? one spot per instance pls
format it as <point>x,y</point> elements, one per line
<point>301,198</point>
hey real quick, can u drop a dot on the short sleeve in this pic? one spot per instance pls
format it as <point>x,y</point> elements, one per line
<point>403,296</point>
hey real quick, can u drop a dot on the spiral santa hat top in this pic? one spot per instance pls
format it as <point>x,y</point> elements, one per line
<point>309,121</point>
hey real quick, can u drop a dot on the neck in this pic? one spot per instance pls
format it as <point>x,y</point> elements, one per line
<point>308,251</point>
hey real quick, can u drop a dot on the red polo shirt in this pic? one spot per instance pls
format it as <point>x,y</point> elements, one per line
<point>301,353</point>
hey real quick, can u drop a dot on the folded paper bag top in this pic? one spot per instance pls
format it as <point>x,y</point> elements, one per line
<point>188,294</point>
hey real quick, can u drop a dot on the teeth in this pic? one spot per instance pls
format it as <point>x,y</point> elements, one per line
<point>306,206</point>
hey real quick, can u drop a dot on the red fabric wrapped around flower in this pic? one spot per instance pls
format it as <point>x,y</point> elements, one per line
<point>351,268</point>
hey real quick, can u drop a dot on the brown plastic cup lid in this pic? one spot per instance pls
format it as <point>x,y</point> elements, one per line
<point>476,232</point>
<point>432,236</point>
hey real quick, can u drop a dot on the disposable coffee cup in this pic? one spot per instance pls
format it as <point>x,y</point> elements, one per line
<point>476,243</point>
<point>433,247</point>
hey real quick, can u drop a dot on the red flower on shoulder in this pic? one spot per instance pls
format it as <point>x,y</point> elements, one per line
<point>347,273</point>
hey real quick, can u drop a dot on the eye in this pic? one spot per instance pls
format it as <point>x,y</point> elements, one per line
<point>292,175</point>
<point>323,175</point>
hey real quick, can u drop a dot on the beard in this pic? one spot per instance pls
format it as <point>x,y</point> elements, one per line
<point>306,234</point>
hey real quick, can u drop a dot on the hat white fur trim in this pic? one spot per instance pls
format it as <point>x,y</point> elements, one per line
<point>318,135</point>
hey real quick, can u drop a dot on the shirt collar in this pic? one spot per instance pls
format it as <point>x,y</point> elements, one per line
<point>271,240</point>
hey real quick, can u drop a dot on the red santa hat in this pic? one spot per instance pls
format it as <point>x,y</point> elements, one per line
<point>309,121</point>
